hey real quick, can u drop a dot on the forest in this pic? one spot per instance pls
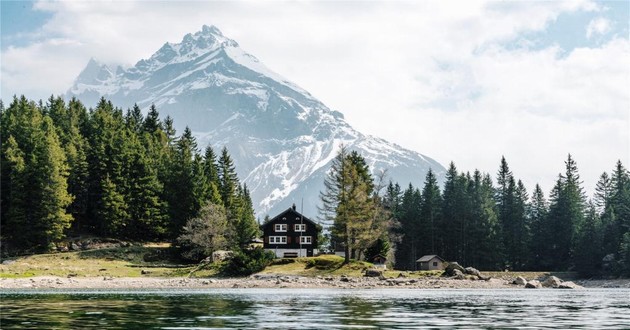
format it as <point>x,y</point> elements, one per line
<point>67,170</point>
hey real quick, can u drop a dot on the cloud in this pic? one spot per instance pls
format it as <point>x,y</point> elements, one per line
<point>599,26</point>
<point>431,76</point>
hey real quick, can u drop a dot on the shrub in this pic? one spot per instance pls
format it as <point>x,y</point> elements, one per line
<point>248,262</point>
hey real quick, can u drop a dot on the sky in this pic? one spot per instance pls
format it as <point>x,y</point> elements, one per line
<point>461,81</point>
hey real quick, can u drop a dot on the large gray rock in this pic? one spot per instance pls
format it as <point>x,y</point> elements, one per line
<point>472,271</point>
<point>373,273</point>
<point>222,255</point>
<point>519,281</point>
<point>450,269</point>
<point>458,274</point>
<point>569,285</point>
<point>533,284</point>
<point>551,282</point>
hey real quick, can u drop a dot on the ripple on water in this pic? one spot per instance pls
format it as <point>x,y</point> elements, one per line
<point>316,309</point>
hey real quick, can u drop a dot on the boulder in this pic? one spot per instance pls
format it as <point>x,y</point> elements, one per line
<point>458,274</point>
<point>373,273</point>
<point>519,281</point>
<point>206,261</point>
<point>551,282</point>
<point>222,255</point>
<point>472,271</point>
<point>569,285</point>
<point>533,284</point>
<point>449,270</point>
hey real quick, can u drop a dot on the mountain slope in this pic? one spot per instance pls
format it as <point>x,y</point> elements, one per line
<point>282,139</point>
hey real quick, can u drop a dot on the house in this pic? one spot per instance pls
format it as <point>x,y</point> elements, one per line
<point>379,261</point>
<point>290,234</point>
<point>430,262</point>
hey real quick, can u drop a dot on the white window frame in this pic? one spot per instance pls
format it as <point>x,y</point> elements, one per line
<point>280,228</point>
<point>306,240</point>
<point>300,227</point>
<point>277,240</point>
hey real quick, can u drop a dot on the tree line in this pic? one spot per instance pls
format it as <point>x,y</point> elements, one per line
<point>67,170</point>
<point>479,223</point>
<point>500,226</point>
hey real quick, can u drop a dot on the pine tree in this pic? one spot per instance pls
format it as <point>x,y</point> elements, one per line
<point>430,212</point>
<point>183,198</point>
<point>211,173</point>
<point>566,214</point>
<point>348,202</point>
<point>588,245</point>
<point>540,252</point>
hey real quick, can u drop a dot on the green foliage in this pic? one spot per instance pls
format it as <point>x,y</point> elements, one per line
<point>349,201</point>
<point>247,262</point>
<point>65,170</point>
<point>207,233</point>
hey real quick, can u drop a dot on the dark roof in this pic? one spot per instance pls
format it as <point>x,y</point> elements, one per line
<point>288,211</point>
<point>428,258</point>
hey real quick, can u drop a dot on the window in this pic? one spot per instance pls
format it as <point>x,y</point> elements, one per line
<point>281,227</point>
<point>277,240</point>
<point>300,227</point>
<point>435,264</point>
<point>305,240</point>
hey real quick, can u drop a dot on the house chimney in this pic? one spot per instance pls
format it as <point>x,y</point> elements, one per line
<point>293,207</point>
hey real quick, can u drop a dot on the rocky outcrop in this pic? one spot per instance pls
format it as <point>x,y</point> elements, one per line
<point>456,271</point>
<point>519,281</point>
<point>373,273</point>
<point>551,282</point>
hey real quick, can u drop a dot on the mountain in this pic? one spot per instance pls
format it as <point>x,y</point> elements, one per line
<point>282,139</point>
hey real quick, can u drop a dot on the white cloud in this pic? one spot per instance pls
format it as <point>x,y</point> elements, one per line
<point>431,76</point>
<point>599,26</point>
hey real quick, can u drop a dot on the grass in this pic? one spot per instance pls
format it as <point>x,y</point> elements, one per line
<point>114,262</point>
<point>157,261</point>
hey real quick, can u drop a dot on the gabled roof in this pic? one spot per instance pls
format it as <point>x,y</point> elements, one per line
<point>287,212</point>
<point>428,258</point>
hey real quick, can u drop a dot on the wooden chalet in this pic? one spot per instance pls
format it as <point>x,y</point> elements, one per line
<point>290,235</point>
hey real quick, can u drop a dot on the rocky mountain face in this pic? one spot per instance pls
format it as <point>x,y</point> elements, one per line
<point>282,139</point>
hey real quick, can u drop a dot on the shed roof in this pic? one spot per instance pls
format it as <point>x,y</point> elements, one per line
<point>429,257</point>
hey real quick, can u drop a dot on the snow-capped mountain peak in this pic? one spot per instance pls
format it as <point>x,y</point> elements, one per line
<point>282,139</point>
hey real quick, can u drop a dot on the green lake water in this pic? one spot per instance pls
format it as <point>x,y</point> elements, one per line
<point>315,309</point>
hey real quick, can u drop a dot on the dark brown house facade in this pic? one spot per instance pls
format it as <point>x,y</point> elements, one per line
<point>290,234</point>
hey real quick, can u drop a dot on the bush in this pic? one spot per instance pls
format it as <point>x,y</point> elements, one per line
<point>248,262</point>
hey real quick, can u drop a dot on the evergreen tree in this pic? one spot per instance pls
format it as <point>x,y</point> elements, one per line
<point>588,245</point>
<point>430,212</point>
<point>211,173</point>
<point>181,193</point>
<point>540,252</point>
<point>347,202</point>
<point>566,214</point>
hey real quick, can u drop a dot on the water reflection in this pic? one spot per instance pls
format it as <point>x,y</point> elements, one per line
<point>315,309</point>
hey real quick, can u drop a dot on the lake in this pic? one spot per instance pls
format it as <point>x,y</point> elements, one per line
<point>315,309</point>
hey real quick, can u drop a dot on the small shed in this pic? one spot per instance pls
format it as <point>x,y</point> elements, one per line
<point>430,262</point>
<point>379,261</point>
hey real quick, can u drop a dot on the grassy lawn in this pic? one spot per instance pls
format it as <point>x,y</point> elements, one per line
<point>114,262</point>
<point>330,265</point>
<point>156,261</point>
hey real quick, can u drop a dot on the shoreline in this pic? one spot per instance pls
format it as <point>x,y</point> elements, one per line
<point>274,281</point>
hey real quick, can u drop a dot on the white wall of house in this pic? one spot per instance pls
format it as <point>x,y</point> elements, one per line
<point>280,252</point>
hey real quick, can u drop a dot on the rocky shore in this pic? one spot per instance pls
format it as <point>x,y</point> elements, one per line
<point>275,281</point>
